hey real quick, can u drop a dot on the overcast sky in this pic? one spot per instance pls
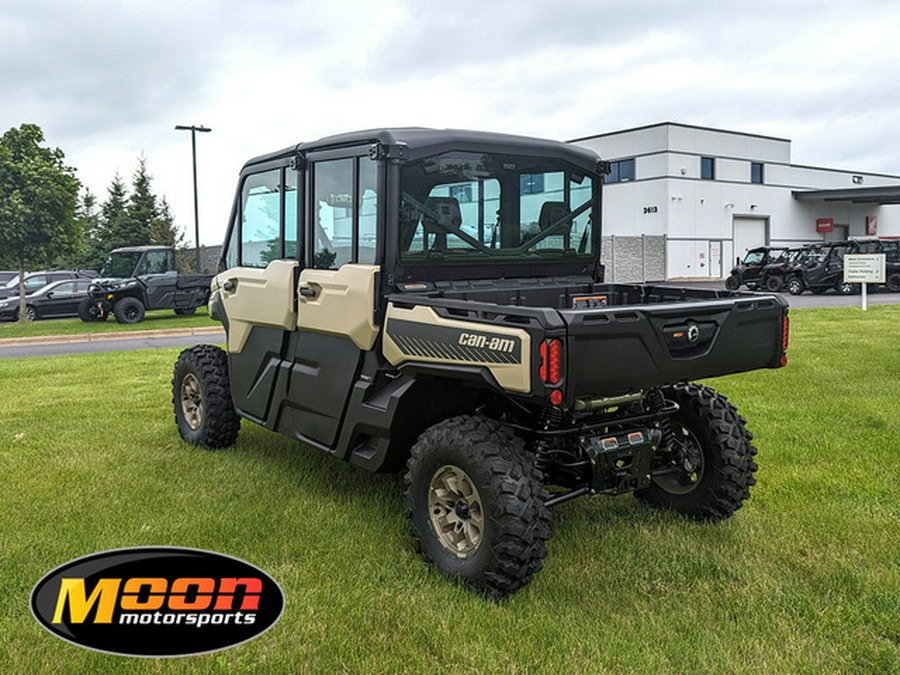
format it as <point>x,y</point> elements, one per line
<point>108,81</point>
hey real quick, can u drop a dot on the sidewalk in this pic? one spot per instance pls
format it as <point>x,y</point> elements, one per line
<point>101,337</point>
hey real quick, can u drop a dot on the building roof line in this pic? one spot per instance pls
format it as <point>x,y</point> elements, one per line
<point>684,126</point>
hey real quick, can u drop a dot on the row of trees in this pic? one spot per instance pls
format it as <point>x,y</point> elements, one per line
<point>46,220</point>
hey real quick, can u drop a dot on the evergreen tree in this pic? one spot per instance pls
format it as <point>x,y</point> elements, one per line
<point>163,230</point>
<point>142,207</point>
<point>91,255</point>
<point>115,227</point>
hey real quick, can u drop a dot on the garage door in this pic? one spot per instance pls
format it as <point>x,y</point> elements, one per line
<point>748,233</point>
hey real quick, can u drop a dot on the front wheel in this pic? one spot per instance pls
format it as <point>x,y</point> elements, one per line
<point>710,475</point>
<point>774,283</point>
<point>201,396</point>
<point>732,283</point>
<point>476,505</point>
<point>90,310</point>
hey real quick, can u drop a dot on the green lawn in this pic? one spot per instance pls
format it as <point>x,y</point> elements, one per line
<point>161,319</point>
<point>804,579</point>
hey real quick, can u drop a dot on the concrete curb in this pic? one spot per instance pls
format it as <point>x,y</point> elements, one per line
<point>101,337</point>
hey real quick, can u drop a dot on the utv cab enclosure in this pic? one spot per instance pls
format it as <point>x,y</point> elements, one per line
<point>433,302</point>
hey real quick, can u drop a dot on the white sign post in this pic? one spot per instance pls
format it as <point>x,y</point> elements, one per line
<point>864,269</point>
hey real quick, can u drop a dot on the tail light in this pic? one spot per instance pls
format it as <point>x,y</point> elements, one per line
<point>551,361</point>
<point>785,333</point>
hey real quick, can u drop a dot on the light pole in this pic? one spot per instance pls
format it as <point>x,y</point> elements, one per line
<point>194,129</point>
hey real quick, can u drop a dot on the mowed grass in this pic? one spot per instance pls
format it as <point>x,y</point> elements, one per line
<point>160,319</point>
<point>804,579</point>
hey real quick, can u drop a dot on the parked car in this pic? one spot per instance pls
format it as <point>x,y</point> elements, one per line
<point>6,275</point>
<point>60,298</point>
<point>749,270</point>
<point>37,280</point>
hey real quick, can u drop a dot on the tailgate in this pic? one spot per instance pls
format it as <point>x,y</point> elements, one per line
<point>616,350</point>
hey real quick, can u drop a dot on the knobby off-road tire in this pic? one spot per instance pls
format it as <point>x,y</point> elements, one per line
<point>129,310</point>
<point>89,310</point>
<point>795,286</point>
<point>185,311</point>
<point>774,284</point>
<point>723,479</point>
<point>201,397</point>
<point>732,283</point>
<point>476,505</point>
<point>893,282</point>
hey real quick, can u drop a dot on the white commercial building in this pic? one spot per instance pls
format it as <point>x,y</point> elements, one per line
<point>705,196</point>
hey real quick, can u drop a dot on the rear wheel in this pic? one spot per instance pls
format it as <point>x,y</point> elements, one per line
<point>201,397</point>
<point>476,505</point>
<point>710,478</point>
<point>794,286</point>
<point>129,310</point>
<point>845,288</point>
<point>185,311</point>
<point>893,282</point>
<point>732,283</point>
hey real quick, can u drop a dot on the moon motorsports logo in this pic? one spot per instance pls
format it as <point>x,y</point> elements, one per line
<point>157,601</point>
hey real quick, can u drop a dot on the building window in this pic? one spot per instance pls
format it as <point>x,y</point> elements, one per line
<point>620,172</point>
<point>756,172</point>
<point>531,183</point>
<point>708,168</point>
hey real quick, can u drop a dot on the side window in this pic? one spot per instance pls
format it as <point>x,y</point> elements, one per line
<point>290,214</point>
<point>65,289</point>
<point>333,214</point>
<point>368,210</point>
<point>261,219</point>
<point>158,262</point>
<point>33,283</point>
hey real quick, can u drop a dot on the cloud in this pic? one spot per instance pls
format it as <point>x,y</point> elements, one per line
<point>109,80</point>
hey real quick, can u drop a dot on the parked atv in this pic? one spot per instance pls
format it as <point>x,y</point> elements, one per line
<point>822,270</point>
<point>138,278</point>
<point>749,271</point>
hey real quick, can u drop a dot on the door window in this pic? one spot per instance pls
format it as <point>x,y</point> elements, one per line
<point>261,219</point>
<point>344,212</point>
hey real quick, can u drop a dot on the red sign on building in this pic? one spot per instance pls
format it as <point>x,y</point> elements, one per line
<point>872,225</point>
<point>825,225</point>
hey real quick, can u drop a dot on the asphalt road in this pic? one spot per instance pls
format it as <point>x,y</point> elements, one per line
<point>12,349</point>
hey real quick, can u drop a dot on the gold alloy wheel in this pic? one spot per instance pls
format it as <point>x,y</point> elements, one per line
<point>192,401</point>
<point>455,510</point>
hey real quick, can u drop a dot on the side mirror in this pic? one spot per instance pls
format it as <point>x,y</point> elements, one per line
<point>50,294</point>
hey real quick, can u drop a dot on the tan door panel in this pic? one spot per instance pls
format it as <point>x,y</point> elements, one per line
<point>340,302</point>
<point>256,297</point>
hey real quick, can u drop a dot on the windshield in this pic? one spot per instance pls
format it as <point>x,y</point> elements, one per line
<point>472,206</point>
<point>121,264</point>
<point>12,283</point>
<point>754,257</point>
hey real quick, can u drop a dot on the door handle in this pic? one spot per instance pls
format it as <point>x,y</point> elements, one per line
<point>229,285</point>
<point>308,292</point>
